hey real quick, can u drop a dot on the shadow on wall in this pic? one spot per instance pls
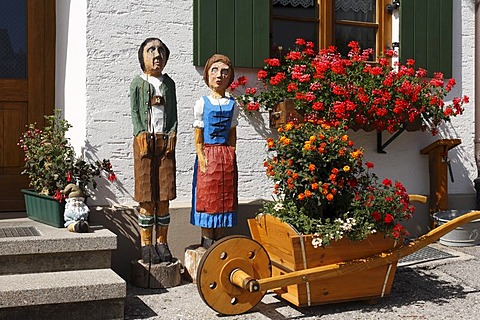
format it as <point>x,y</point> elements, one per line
<point>181,234</point>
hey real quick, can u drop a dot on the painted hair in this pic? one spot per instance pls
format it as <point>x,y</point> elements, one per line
<point>142,46</point>
<point>218,58</point>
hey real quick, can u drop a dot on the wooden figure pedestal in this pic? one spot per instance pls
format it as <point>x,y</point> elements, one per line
<point>193,255</point>
<point>156,276</point>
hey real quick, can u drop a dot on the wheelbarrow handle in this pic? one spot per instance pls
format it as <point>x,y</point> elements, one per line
<point>417,198</point>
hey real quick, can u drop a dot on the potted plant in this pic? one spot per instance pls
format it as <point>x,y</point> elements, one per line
<point>51,164</point>
<point>354,90</point>
<point>328,207</point>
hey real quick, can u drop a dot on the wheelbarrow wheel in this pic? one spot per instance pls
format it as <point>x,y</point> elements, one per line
<point>218,264</point>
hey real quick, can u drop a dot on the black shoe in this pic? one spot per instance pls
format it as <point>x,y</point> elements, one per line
<point>207,242</point>
<point>149,255</point>
<point>81,227</point>
<point>164,252</point>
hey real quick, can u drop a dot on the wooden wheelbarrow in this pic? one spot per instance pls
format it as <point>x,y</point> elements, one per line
<point>236,272</point>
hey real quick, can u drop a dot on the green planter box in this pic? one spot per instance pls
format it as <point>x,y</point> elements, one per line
<point>44,209</point>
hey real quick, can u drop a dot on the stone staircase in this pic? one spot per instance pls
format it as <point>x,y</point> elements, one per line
<point>50,273</point>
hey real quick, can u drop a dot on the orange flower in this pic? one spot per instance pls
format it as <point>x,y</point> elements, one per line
<point>345,137</point>
<point>329,197</point>
<point>321,136</point>
<point>301,197</point>
<point>270,143</point>
<point>265,163</point>
<point>341,152</point>
<point>289,126</point>
<point>289,172</point>
<point>286,141</point>
<point>295,176</point>
<point>308,193</point>
<point>311,167</point>
<point>312,138</point>
<point>315,186</point>
<point>307,146</point>
<point>280,130</point>
<point>356,154</point>
<point>335,171</point>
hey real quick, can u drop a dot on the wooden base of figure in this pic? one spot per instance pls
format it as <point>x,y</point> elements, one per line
<point>193,255</point>
<point>156,276</point>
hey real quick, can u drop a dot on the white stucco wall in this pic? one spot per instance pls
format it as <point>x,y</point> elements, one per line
<point>101,113</point>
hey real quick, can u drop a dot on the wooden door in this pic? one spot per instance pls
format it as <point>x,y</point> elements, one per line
<point>27,83</point>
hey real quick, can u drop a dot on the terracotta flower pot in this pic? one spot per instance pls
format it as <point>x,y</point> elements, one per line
<point>284,112</point>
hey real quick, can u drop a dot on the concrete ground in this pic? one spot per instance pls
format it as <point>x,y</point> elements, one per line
<point>445,286</point>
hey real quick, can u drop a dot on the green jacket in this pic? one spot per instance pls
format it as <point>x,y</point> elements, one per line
<point>140,93</point>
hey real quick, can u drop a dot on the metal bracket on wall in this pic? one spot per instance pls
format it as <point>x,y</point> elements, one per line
<point>381,146</point>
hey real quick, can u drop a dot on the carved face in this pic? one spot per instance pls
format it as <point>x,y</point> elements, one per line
<point>218,76</point>
<point>154,57</point>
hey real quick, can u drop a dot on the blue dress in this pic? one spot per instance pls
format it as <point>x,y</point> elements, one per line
<point>214,193</point>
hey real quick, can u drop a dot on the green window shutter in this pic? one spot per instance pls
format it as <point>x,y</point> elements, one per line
<point>426,34</point>
<point>238,29</point>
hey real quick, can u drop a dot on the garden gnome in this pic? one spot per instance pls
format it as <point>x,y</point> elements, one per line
<point>214,192</point>
<point>153,104</point>
<point>76,211</point>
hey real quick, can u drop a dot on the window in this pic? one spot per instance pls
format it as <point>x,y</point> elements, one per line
<point>331,22</point>
<point>249,31</point>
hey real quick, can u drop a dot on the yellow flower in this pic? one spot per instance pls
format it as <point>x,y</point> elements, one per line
<point>312,138</point>
<point>346,168</point>
<point>289,126</point>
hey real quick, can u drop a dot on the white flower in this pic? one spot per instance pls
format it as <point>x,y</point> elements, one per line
<point>351,221</point>
<point>316,242</point>
<point>278,206</point>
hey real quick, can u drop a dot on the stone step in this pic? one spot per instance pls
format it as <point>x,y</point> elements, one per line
<point>80,294</point>
<point>27,246</point>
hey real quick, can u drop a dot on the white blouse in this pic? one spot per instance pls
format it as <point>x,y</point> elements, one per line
<point>158,111</point>
<point>198,110</point>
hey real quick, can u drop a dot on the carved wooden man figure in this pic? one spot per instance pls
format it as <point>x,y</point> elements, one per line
<point>154,114</point>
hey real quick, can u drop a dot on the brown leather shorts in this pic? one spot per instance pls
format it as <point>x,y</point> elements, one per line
<point>154,169</point>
